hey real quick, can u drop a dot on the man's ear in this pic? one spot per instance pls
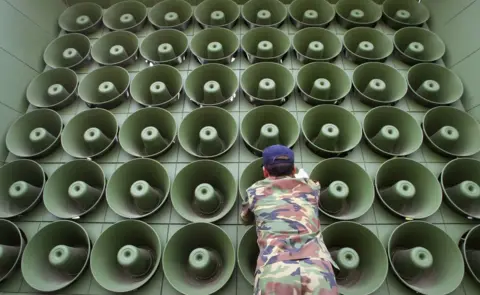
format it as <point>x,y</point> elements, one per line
<point>295,170</point>
<point>265,172</point>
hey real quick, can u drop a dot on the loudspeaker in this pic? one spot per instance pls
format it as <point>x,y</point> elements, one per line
<point>208,132</point>
<point>105,87</point>
<point>357,13</point>
<point>90,134</point>
<point>252,173</point>
<point>425,259</point>
<point>460,181</point>
<point>212,85</point>
<point>215,45</point>
<point>433,85</point>
<point>35,134</point>
<point>378,84</point>
<point>116,49</point>
<point>398,14</point>
<point>199,258</point>
<point>126,256</point>
<point>412,192</point>
<point>138,188</point>
<point>74,189</point>
<point>54,89</point>
<point>204,191</point>
<point>311,13</point>
<point>316,44</point>
<point>267,83</point>
<point>217,13</point>
<point>364,44</point>
<point>247,254</point>
<point>21,187</point>
<point>148,132</point>
<point>264,13</point>
<point>391,132</point>
<point>338,177</point>
<point>265,44</point>
<point>331,131</point>
<point>56,256</point>
<point>417,45</point>
<point>157,86</point>
<point>171,14</point>
<point>323,83</point>
<point>451,132</point>
<point>12,243</point>
<point>84,18</point>
<point>126,15</point>
<point>167,46</point>
<point>264,126</point>
<point>68,51</point>
<point>360,256</point>
<point>469,245</point>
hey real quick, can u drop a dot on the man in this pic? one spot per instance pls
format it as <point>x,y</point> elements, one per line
<point>293,258</point>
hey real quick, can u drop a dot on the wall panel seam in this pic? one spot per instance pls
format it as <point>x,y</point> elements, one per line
<point>49,33</point>
<point>8,52</point>
<point>458,13</point>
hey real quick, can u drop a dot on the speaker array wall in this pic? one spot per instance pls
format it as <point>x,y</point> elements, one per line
<point>367,45</point>
<point>128,15</point>
<point>116,49</point>
<point>167,46</point>
<point>215,45</point>
<point>217,13</point>
<point>84,18</point>
<point>417,45</point>
<point>398,14</point>
<point>357,13</point>
<point>264,13</point>
<point>265,44</point>
<point>316,44</point>
<point>171,14</point>
<point>68,51</point>
<point>311,13</point>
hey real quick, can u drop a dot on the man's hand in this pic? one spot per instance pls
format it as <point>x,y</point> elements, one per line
<point>247,218</point>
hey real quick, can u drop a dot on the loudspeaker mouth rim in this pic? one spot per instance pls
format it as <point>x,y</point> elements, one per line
<point>304,59</point>
<point>85,58</point>
<point>72,278</point>
<point>180,27</point>
<point>227,59</point>
<point>89,29</point>
<point>171,62</point>
<point>252,58</point>
<point>135,28</point>
<point>240,251</point>
<point>412,60</point>
<point>125,62</point>
<point>354,57</point>
<point>228,25</point>
<point>242,195</point>
<point>397,24</point>
<point>463,249</point>
<point>251,24</point>
<point>348,24</point>
<point>22,245</point>
<point>301,25</point>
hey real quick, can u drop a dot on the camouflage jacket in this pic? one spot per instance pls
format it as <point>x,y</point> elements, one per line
<point>286,216</point>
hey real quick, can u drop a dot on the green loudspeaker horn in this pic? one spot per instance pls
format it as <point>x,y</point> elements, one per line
<point>460,180</point>
<point>84,18</point>
<point>68,51</point>
<point>412,192</point>
<point>21,187</point>
<point>12,243</point>
<point>377,84</point>
<point>157,86</point>
<point>425,258</point>
<point>470,250</point>
<point>116,49</point>
<point>267,83</point>
<point>126,256</point>
<point>58,250</point>
<point>391,132</point>
<point>166,46</point>
<point>204,191</point>
<point>252,173</point>
<point>316,44</point>
<point>311,13</point>
<point>74,189</point>
<point>358,13</point>
<point>208,132</point>
<point>323,83</point>
<point>54,89</point>
<point>367,44</point>
<point>398,14</point>
<point>90,134</point>
<point>35,134</point>
<point>125,16</point>
<point>215,45</point>
<point>264,126</point>
<point>105,87</point>
<point>264,13</point>
<point>148,132</point>
<point>434,85</point>
<point>171,14</point>
<point>199,259</point>
<point>331,131</point>
<point>247,254</point>
<point>360,256</point>
<point>212,85</point>
<point>138,188</point>
<point>265,44</point>
<point>451,132</point>
<point>338,177</point>
<point>217,13</point>
<point>416,45</point>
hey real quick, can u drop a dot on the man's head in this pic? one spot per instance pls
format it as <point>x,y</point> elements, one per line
<point>278,160</point>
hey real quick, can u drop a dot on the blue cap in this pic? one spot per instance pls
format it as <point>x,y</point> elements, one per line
<point>277,154</point>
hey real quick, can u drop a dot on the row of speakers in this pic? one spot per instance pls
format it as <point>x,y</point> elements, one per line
<point>200,258</point>
<point>131,16</point>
